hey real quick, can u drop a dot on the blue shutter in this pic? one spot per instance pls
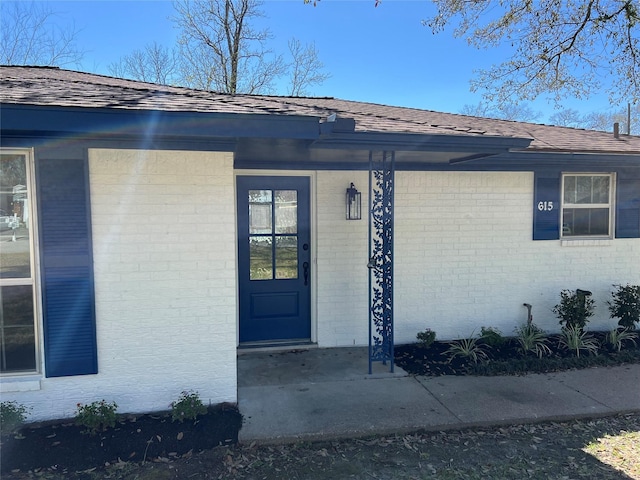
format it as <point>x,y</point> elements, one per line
<point>546,206</point>
<point>66,265</point>
<point>628,208</point>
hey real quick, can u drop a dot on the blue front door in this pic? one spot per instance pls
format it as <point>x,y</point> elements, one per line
<point>274,259</point>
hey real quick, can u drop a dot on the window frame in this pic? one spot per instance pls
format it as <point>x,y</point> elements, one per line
<point>610,205</point>
<point>34,279</point>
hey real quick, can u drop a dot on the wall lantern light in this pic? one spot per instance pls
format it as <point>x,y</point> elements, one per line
<point>354,203</point>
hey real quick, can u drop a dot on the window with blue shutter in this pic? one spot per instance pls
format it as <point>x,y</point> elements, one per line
<point>548,208</point>
<point>66,263</point>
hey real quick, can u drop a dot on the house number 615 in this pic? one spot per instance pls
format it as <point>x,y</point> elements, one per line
<point>545,206</point>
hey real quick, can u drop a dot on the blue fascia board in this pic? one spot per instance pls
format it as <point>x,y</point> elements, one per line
<point>409,142</point>
<point>33,121</point>
<point>119,123</point>
<point>58,139</point>
<point>511,161</point>
<point>571,160</point>
<point>30,125</point>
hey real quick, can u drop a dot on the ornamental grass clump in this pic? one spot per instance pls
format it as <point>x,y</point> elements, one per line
<point>617,337</point>
<point>575,340</point>
<point>625,305</point>
<point>187,407</point>
<point>532,339</point>
<point>469,348</point>
<point>97,416</point>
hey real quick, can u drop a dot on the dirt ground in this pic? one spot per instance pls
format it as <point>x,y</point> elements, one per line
<point>603,448</point>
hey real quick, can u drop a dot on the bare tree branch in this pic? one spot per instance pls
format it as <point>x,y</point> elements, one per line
<point>306,68</point>
<point>221,50</point>
<point>520,112</point>
<point>155,63</point>
<point>30,36</point>
<point>565,49</point>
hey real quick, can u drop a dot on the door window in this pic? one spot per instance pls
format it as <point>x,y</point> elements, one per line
<point>273,234</point>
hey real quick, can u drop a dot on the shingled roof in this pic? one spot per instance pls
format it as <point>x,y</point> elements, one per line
<point>51,86</point>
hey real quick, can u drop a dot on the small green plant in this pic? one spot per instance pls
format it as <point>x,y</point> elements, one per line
<point>574,339</point>
<point>426,338</point>
<point>469,348</point>
<point>187,407</point>
<point>625,305</point>
<point>574,309</point>
<point>96,416</point>
<point>491,336</point>
<point>618,336</point>
<point>532,339</point>
<point>12,415</point>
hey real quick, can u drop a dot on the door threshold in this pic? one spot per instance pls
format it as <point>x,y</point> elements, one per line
<point>274,345</point>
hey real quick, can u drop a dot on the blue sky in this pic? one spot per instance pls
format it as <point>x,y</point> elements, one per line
<point>380,55</point>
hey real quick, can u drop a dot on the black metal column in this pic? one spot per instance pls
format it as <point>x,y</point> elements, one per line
<point>381,180</point>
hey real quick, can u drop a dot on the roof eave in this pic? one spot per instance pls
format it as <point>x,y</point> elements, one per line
<point>412,142</point>
<point>38,121</point>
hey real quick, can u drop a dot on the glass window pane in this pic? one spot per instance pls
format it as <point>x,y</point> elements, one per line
<point>567,222</point>
<point>260,258</point>
<point>601,189</point>
<point>583,190</point>
<point>585,221</point>
<point>569,189</point>
<point>286,211</point>
<point>260,211</point>
<point>17,335</point>
<point>598,221</point>
<point>287,257</point>
<point>15,254</point>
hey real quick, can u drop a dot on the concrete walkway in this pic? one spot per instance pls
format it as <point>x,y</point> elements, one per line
<point>327,393</point>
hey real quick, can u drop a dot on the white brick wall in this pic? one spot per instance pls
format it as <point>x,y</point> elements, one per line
<point>464,258</point>
<point>164,258</point>
<point>342,262</point>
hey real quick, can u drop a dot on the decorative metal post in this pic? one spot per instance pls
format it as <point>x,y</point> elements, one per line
<point>381,179</point>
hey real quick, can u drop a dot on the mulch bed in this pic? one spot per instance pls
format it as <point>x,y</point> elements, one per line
<point>65,447</point>
<point>507,358</point>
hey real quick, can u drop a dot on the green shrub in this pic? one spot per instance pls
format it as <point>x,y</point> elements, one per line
<point>491,336</point>
<point>532,339</point>
<point>576,340</point>
<point>574,310</point>
<point>618,336</point>
<point>529,364</point>
<point>469,348</point>
<point>187,407</point>
<point>96,416</point>
<point>426,338</point>
<point>12,415</point>
<point>625,305</point>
